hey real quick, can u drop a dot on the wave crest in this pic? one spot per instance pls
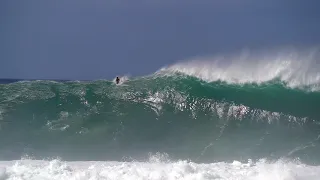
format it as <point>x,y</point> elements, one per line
<point>295,69</point>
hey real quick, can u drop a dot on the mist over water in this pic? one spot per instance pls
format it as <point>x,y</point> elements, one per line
<point>297,69</point>
<point>214,118</point>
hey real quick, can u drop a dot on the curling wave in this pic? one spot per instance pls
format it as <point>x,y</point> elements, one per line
<point>175,113</point>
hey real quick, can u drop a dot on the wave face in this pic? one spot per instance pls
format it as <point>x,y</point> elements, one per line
<point>199,115</point>
<point>254,117</point>
<point>172,113</point>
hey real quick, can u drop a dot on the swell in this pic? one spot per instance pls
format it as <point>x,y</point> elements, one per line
<point>170,90</point>
<point>177,114</point>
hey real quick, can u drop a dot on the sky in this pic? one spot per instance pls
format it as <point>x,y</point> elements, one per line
<point>100,39</point>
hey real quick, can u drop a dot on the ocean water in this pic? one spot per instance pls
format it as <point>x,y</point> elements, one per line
<point>192,120</point>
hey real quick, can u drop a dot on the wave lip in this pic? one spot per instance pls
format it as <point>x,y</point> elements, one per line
<point>295,69</point>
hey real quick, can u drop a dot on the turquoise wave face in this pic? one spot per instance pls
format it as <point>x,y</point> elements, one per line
<point>179,115</point>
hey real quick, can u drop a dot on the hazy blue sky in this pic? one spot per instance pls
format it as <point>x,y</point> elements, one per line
<point>94,39</point>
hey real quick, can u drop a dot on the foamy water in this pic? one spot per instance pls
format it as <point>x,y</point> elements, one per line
<point>59,170</point>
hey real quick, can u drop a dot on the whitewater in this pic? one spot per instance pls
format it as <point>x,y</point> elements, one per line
<point>156,170</point>
<point>248,116</point>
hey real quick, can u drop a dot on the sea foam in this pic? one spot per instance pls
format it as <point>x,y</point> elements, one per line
<point>59,170</point>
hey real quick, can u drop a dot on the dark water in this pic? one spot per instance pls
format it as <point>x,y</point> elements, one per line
<point>179,115</point>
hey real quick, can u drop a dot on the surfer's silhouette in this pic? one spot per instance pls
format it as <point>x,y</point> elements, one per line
<point>117,80</point>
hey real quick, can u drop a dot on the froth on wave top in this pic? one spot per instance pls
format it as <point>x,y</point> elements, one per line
<point>295,69</point>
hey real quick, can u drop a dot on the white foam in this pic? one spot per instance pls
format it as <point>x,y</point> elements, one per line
<point>157,170</point>
<point>295,68</point>
<point>223,110</point>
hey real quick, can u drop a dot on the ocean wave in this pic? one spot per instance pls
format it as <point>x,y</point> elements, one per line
<point>179,114</point>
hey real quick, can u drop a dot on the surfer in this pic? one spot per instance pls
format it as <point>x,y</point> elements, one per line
<point>117,80</point>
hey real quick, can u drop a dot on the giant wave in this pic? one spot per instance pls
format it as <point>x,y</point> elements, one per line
<point>199,112</point>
